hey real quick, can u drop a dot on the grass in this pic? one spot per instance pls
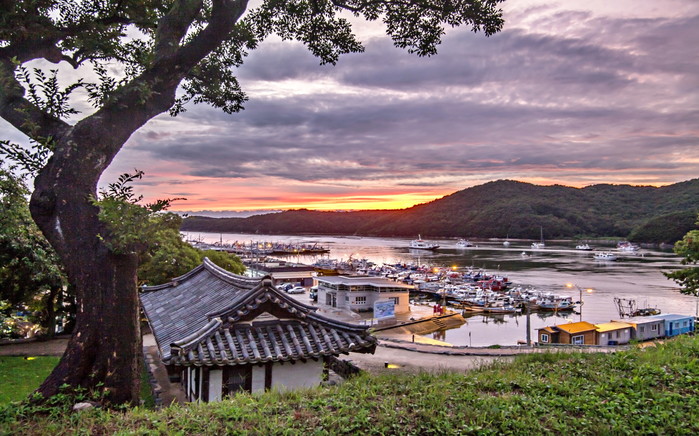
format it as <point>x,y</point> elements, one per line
<point>20,376</point>
<point>643,391</point>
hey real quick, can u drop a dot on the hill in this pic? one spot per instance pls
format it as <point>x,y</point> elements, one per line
<point>651,390</point>
<point>498,209</point>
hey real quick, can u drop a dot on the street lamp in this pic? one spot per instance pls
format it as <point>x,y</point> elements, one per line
<point>580,290</point>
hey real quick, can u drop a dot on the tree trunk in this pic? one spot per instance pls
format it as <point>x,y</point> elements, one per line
<point>104,352</point>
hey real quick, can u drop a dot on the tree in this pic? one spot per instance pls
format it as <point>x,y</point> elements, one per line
<point>171,257</point>
<point>688,278</point>
<point>30,272</point>
<point>192,45</point>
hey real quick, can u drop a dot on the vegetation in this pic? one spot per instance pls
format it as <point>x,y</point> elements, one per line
<point>20,376</point>
<point>688,248</point>
<point>654,390</point>
<point>31,277</point>
<point>499,209</point>
<point>132,57</point>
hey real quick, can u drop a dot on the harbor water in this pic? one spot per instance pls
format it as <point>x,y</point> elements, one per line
<point>633,276</point>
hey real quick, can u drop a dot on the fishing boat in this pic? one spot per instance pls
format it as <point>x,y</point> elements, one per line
<point>605,256</point>
<point>464,243</point>
<point>421,244</point>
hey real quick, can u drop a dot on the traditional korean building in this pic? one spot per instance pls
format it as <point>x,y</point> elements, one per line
<point>359,293</point>
<point>219,333</point>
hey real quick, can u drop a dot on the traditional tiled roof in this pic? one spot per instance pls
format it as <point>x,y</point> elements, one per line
<point>212,317</point>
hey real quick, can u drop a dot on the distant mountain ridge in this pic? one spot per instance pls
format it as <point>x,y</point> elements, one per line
<point>499,209</point>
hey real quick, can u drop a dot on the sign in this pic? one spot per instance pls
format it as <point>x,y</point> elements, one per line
<point>384,309</point>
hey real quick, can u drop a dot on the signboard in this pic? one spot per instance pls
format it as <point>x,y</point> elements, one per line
<point>384,309</point>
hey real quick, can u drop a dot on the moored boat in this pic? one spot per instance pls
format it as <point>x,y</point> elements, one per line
<point>421,244</point>
<point>464,243</point>
<point>605,256</point>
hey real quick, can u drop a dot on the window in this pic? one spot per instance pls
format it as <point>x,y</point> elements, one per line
<point>395,300</point>
<point>684,324</point>
<point>360,300</point>
<point>654,328</point>
<point>544,338</point>
<point>642,329</point>
<point>578,340</point>
<point>616,334</point>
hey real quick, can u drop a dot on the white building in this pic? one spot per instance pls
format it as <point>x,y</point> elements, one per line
<point>359,293</point>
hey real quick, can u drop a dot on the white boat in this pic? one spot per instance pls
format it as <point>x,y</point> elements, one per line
<point>605,255</point>
<point>627,247</point>
<point>584,247</point>
<point>464,243</point>
<point>421,244</point>
<point>506,243</point>
<point>540,244</point>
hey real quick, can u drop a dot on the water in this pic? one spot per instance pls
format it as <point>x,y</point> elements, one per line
<point>632,276</point>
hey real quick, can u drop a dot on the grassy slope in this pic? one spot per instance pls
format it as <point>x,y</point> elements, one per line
<point>649,391</point>
<point>19,376</point>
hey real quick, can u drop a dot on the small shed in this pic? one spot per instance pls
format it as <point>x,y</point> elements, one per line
<point>613,333</point>
<point>219,333</point>
<point>548,335</point>
<point>677,324</point>
<point>574,333</point>
<point>646,327</point>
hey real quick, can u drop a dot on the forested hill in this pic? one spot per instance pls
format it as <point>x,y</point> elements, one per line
<point>498,209</point>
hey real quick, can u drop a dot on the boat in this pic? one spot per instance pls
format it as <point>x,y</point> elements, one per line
<point>627,247</point>
<point>605,256</point>
<point>539,245</point>
<point>464,243</point>
<point>583,247</point>
<point>421,244</point>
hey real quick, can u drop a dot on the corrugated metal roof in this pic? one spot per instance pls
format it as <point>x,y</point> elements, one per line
<point>576,327</point>
<point>611,326</point>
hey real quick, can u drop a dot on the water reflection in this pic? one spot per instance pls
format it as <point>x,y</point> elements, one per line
<point>632,276</point>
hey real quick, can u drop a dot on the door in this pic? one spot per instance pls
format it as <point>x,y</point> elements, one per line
<point>237,378</point>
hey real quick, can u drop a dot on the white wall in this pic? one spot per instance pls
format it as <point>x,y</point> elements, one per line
<point>258,379</point>
<point>215,384</point>
<point>300,375</point>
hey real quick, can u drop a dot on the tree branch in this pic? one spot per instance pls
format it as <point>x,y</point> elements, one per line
<point>19,112</point>
<point>173,26</point>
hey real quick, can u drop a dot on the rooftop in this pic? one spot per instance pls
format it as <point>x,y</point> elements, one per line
<point>378,282</point>
<point>210,316</point>
<point>612,326</point>
<point>576,327</point>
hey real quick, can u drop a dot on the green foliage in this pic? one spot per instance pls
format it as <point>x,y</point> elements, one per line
<point>654,390</point>
<point>688,278</point>
<point>665,228</point>
<point>29,267</point>
<point>131,226</point>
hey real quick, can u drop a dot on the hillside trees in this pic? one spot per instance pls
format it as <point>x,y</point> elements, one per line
<point>688,248</point>
<point>191,45</point>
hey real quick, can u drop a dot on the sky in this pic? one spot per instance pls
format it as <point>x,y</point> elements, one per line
<point>569,92</point>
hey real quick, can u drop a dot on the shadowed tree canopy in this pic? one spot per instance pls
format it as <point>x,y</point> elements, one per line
<point>167,53</point>
<point>688,248</point>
